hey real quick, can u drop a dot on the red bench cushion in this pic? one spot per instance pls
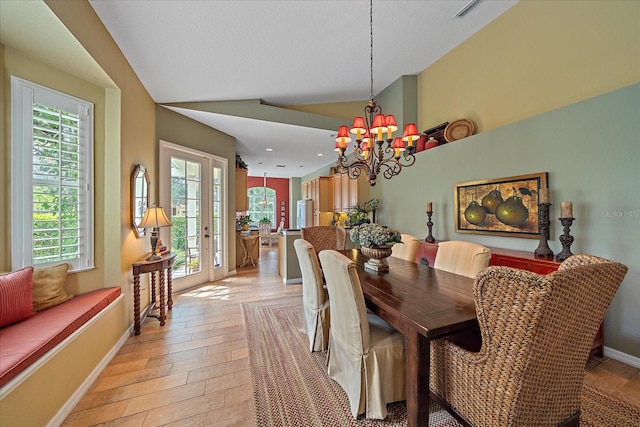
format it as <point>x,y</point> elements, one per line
<point>23,343</point>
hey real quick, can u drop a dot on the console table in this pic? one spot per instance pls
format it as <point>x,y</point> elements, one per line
<point>516,259</point>
<point>152,266</point>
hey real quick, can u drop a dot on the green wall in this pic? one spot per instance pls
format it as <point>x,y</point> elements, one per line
<point>589,149</point>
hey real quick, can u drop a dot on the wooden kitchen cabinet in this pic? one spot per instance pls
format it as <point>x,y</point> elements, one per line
<point>336,182</point>
<point>242,200</point>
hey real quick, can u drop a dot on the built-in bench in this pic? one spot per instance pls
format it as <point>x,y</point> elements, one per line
<point>24,342</point>
<point>57,348</point>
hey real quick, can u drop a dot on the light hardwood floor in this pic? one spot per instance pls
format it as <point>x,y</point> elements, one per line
<point>194,371</point>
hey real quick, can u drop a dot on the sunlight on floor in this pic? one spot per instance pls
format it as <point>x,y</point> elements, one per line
<point>210,291</point>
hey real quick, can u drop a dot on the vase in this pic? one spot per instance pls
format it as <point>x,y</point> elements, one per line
<point>377,257</point>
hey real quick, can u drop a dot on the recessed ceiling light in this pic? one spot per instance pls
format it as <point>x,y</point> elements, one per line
<point>319,154</point>
<point>269,149</point>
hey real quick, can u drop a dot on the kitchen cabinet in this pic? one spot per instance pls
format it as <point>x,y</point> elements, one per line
<point>336,182</point>
<point>242,201</point>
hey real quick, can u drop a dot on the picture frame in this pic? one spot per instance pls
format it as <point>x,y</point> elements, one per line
<point>499,207</point>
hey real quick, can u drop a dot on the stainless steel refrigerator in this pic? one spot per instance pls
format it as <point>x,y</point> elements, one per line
<point>304,213</point>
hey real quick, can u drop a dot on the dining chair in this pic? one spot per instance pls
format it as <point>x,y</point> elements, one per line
<point>315,299</point>
<point>366,354</point>
<point>325,237</point>
<point>406,250</point>
<point>537,332</point>
<point>460,257</point>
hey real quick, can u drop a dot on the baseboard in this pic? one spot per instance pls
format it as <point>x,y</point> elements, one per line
<point>66,409</point>
<point>622,357</point>
<point>291,281</point>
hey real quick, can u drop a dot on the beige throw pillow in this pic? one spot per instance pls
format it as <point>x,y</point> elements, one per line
<point>48,286</point>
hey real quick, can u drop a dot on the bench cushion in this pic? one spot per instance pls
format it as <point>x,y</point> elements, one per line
<point>21,344</point>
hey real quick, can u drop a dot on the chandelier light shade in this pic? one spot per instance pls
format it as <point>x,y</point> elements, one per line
<point>154,218</point>
<point>375,150</point>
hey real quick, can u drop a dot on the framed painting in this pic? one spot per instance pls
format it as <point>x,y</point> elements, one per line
<point>500,207</point>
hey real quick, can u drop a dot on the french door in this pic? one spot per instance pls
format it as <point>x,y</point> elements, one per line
<point>193,192</point>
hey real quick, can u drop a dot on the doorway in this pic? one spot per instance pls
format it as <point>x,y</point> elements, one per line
<point>193,187</point>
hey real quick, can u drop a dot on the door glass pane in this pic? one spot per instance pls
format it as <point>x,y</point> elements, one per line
<point>217,217</point>
<point>185,216</point>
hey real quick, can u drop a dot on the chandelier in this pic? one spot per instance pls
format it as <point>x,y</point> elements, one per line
<point>375,149</point>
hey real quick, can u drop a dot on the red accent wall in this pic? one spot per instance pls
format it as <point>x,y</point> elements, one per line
<point>281,186</point>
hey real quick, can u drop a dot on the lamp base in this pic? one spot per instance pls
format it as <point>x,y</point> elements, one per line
<point>154,257</point>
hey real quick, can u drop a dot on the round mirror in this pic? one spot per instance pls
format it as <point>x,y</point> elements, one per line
<point>139,198</point>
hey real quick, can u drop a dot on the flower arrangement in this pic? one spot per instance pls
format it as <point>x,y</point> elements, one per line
<point>371,235</point>
<point>372,205</point>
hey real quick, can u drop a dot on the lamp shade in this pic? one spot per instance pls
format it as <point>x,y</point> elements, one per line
<point>358,125</point>
<point>343,136</point>
<point>155,217</point>
<point>398,144</point>
<point>410,132</point>
<point>379,124</point>
<point>391,123</point>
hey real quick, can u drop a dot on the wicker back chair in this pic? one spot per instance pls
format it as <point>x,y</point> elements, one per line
<point>325,237</point>
<point>537,332</point>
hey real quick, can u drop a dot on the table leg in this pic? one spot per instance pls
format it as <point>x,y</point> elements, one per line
<point>136,304</point>
<point>153,286</point>
<point>162,311</point>
<point>169,289</point>
<point>418,364</point>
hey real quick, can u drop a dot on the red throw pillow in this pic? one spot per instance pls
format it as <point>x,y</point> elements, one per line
<point>16,290</point>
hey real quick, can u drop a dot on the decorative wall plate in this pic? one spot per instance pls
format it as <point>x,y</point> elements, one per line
<point>458,129</point>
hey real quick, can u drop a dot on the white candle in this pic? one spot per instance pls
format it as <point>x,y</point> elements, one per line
<point>566,210</point>
<point>429,207</point>
<point>544,195</point>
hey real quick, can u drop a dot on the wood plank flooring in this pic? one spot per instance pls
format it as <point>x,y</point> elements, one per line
<point>194,371</point>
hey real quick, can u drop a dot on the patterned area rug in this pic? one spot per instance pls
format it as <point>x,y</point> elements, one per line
<point>291,386</point>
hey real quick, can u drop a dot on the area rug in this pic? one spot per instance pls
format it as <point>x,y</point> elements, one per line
<point>291,386</point>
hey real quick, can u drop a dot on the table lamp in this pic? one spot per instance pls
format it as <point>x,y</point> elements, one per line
<point>154,218</point>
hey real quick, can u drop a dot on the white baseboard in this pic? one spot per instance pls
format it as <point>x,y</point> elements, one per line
<point>622,357</point>
<point>66,409</point>
<point>291,281</point>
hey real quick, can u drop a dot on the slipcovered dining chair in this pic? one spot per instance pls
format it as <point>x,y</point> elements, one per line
<point>366,354</point>
<point>464,258</point>
<point>408,249</point>
<point>315,299</point>
<point>325,237</point>
<point>537,333</point>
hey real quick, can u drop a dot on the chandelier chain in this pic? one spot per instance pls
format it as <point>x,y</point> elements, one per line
<point>371,44</point>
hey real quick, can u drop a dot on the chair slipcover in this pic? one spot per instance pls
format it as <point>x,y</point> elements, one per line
<point>406,250</point>
<point>537,333</point>
<point>366,355</point>
<point>314,296</point>
<point>325,237</point>
<point>464,258</point>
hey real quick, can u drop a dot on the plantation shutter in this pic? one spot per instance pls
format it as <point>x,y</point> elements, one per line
<point>53,209</point>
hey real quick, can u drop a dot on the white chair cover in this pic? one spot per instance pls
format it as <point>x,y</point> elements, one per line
<point>464,258</point>
<point>315,299</point>
<point>406,250</point>
<point>366,355</point>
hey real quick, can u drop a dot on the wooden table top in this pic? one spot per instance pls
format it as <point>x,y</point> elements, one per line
<point>416,297</point>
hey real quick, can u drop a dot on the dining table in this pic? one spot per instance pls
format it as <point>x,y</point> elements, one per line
<point>424,304</point>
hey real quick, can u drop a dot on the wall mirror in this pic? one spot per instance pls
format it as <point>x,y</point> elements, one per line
<point>139,198</point>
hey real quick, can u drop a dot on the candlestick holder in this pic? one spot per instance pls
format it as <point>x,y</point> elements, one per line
<point>430,238</point>
<point>543,229</point>
<point>566,239</point>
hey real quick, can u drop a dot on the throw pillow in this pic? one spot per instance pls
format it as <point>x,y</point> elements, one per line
<point>15,296</point>
<point>48,287</point>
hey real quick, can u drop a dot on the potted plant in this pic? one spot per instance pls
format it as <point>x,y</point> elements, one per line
<point>358,214</point>
<point>265,220</point>
<point>242,221</point>
<point>375,242</point>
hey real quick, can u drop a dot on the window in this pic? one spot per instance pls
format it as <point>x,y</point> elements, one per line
<point>261,204</point>
<point>52,177</point>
